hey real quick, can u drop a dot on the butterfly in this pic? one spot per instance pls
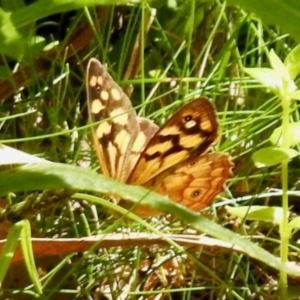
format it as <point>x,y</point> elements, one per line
<point>173,160</point>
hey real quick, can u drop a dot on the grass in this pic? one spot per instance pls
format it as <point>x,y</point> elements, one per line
<point>168,61</point>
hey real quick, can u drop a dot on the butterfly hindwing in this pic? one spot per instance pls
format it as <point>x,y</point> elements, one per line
<point>196,181</point>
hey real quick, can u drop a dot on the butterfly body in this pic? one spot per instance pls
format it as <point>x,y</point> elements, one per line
<point>172,160</point>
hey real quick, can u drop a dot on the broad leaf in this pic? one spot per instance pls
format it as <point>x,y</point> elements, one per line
<point>271,156</point>
<point>257,213</point>
<point>56,176</point>
<point>292,62</point>
<point>293,135</point>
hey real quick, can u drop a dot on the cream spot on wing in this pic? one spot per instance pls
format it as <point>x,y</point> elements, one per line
<point>206,124</point>
<point>190,141</point>
<point>161,147</point>
<point>100,80</point>
<point>174,158</point>
<point>122,140</point>
<point>119,116</point>
<point>103,129</point>
<point>190,124</point>
<point>115,94</point>
<point>93,81</point>
<point>112,158</point>
<point>169,130</point>
<point>104,95</point>
<point>96,106</point>
<point>139,142</point>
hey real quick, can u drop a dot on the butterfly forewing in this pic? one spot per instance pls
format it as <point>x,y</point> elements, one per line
<point>191,131</point>
<point>116,134</point>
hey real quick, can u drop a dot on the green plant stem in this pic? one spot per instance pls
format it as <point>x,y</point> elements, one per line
<point>284,228</point>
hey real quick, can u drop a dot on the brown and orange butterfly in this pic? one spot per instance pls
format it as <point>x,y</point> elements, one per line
<point>172,160</point>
